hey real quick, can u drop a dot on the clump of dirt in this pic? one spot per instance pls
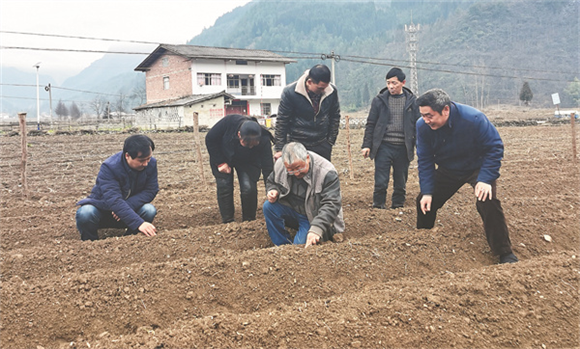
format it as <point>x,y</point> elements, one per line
<point>200,283</point>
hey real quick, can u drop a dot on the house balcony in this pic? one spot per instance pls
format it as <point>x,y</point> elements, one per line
<point>242,91</point>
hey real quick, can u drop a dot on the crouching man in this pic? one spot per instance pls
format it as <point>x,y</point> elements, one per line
<point>303,193</point>
<point>125,186</point>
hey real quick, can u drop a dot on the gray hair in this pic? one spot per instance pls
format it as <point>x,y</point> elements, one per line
<point>293,152</point>
<point>436,99</point>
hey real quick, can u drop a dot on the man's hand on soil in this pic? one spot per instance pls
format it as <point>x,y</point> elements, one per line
<point>312,239</point>
<point>148,229</point>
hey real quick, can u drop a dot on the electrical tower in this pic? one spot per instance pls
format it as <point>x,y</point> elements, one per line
<point>412,47</point>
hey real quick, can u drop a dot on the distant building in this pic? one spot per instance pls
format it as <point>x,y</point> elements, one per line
<point>212,81</point>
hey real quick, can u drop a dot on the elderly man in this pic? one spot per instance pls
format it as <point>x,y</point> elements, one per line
<point>309,113</point>
<point>125,186</point>
<point>466,148</point>
<point>304,193</point>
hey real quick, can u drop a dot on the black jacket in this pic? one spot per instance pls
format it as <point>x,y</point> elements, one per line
<point>223,145</point>
<point>379,118</point>
<point>296,121</point>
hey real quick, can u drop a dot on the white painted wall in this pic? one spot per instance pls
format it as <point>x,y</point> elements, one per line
<point>229,67</point>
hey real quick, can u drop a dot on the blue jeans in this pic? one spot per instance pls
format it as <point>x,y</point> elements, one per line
<point>279,216</point>
<point>90,219</point>
<point>395,156</point>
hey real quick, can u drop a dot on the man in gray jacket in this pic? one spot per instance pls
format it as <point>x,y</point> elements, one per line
<point>303,193</point>
<point>390,138</point>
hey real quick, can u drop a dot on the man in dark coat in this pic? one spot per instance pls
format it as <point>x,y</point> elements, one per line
<point>239,142</point>
<point>121,198</point>
<point>309,113</point>
<point>457,144</point>
<point>389,138</point>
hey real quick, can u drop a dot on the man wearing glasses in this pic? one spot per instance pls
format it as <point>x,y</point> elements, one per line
<point>303,193</point>
<point>466,148</point>
<point>121,198</point>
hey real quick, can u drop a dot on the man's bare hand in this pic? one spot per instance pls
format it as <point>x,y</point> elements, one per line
<point>312,239</point>
<point>426,203</point>
<point>148,229</point>
<point>277,155</point>
<point>483,191</point>
<point>224,168</point>
<point>115,216</point>
<point>365,152</point>
<point>272,196</point>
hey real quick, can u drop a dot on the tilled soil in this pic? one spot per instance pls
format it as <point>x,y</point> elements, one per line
<point>200,283</point>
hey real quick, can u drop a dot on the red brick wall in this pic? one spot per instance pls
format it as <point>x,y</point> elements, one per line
<point>179,73</point>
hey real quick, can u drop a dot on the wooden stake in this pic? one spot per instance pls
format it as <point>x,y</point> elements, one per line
<point>348,147</point>
<point>572,123</point>
<point>22,121</point>
<point>198,146</point>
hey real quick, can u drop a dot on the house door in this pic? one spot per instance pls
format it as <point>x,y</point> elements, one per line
<point>237,107</point>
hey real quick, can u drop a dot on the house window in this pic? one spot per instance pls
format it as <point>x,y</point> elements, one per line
<point>209,79</point>
<point>271,80</point>
<point>166,82</point>
<point>266,108</point>
<point>165,61</point>
<point>241,62</point>
<point>233,81</point>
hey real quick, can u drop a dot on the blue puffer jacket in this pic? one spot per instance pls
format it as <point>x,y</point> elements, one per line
<point>466,143</point>
<point>112,191</point>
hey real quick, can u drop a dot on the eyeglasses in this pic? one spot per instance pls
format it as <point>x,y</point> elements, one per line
<point>293,172</point>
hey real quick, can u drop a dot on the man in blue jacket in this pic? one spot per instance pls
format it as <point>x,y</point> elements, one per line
<point>125,186</point>
<point>466,148</point>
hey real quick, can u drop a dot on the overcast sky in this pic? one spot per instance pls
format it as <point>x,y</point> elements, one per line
<point>163,21</point>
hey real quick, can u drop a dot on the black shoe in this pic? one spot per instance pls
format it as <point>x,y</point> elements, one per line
<point>508,258</point>
<point>381,207</point>
<point>394,207</point>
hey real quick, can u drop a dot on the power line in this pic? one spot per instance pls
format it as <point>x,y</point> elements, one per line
<point>453,71</point>
<point>64,88</point>
<point>79,37</point>
<point>70,50</point>
<point>312,54</point>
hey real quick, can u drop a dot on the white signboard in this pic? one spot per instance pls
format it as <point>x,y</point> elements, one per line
<point>556,98</point>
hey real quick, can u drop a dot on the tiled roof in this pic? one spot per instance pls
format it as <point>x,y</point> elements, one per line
<point>208,52</point>
<point>185,101</point>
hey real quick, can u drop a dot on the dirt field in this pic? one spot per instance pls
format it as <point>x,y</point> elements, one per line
<point>203,284</point>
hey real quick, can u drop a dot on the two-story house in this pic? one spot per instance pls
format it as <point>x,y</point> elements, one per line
<point>211,81</point>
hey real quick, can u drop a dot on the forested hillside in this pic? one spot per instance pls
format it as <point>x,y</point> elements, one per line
<point>482,52</point>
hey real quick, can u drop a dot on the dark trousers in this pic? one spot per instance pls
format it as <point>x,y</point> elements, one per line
<point>395,156</point>
<point>323,149</point>
<point>248,177</point>
<point>446,185</point>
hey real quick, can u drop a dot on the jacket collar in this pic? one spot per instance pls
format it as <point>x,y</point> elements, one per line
<point>301,88</point>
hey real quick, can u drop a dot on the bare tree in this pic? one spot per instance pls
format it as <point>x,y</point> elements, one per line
<point>99,106</point>
<point>140,93</point>
<point>120,103</point>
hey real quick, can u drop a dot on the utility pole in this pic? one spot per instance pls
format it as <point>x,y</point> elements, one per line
<point>412,47</point>
<point>335,58</point>
<point>49,90</point>
<point>37,66</point>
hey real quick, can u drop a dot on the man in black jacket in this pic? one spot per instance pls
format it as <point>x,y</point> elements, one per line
<point>240,143</point>
<point>389,138</point>
<point>309,113</point>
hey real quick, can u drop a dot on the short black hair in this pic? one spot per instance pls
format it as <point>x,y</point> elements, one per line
<point>436,99</point>
<point>319,73</point>
<point>396,72</point>
<point>250,131</point>
<point>136,144</point>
